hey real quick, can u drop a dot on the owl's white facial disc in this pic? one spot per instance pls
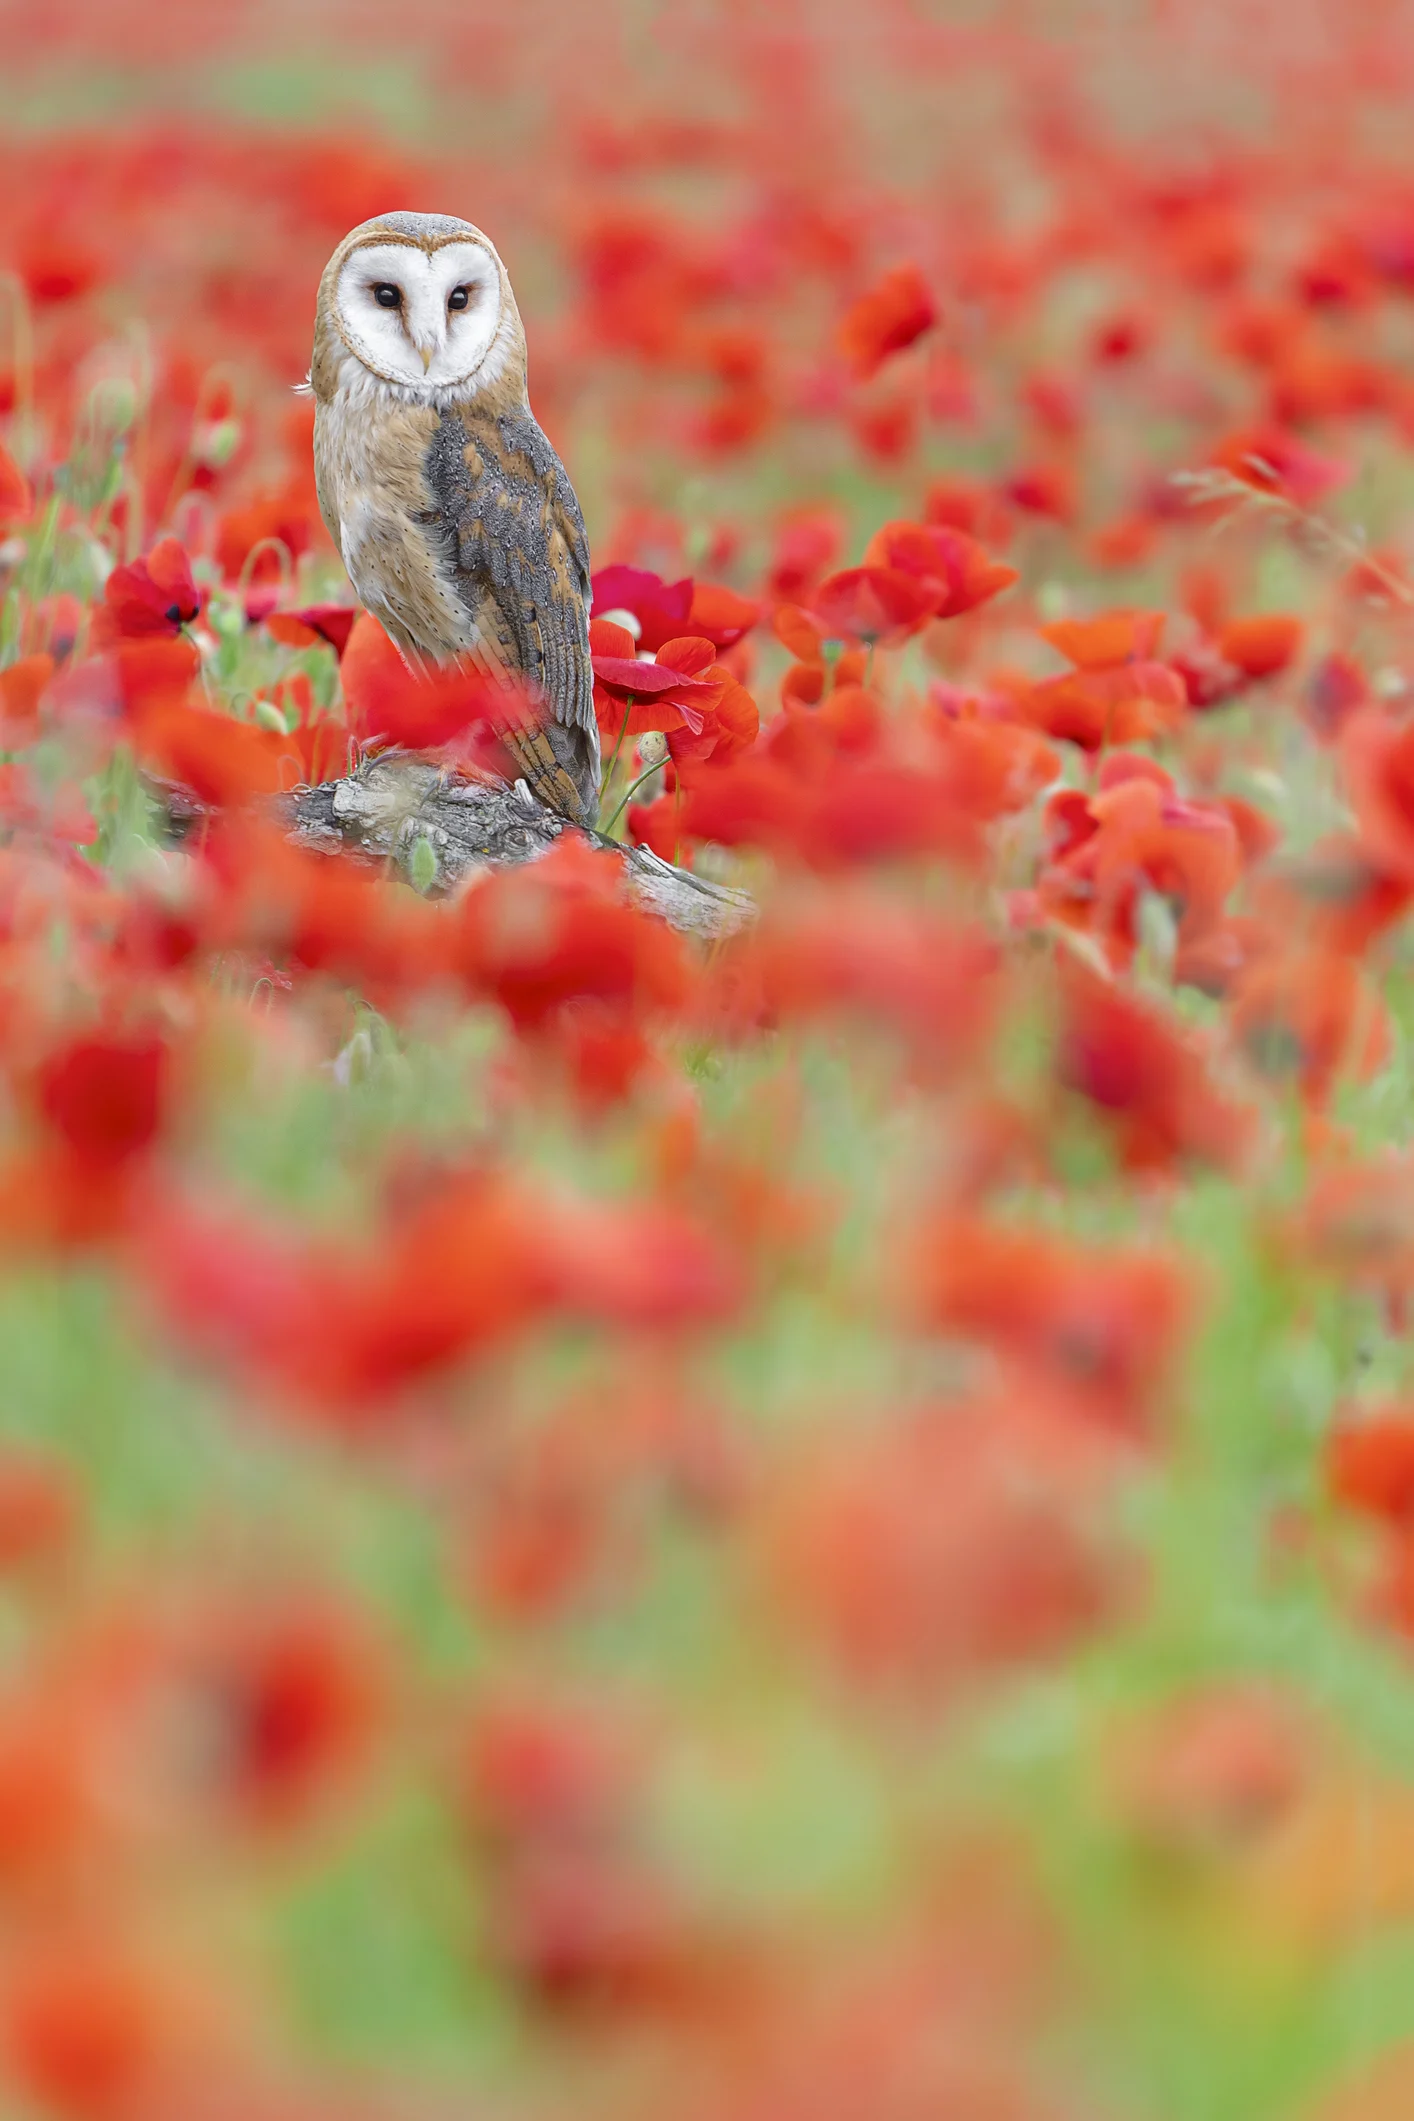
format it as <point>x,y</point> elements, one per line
<point>426,321</point>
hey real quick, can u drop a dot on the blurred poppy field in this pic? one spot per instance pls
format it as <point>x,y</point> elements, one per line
<point>820,1525</point>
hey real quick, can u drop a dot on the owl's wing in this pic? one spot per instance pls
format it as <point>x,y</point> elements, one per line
<point>517,558</point>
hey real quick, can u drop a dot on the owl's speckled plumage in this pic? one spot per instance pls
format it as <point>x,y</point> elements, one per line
<point>456,520</point>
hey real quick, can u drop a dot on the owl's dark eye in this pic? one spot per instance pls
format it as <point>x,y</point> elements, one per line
<point>458,298</point>
<point>387,296</point>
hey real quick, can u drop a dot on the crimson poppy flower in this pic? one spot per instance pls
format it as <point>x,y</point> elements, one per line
<point>22,687</point>
<point>16,493</point>
<point>40,1509</point>
<point>1275,460</point>
<point>633,695</point>
<point>1377,753</point>
<point>1370,1462</point>
<point>662,609</point>
<point>389,703</point>
<point>90,2026</point>
<point>874,604</point>
<point>725,713</point>
<point>105,1096</point>
<point>222,761</point>
<point>155,595</point>
<point>721,615</point>
<point>894,313</point>
<point>1140,1071</point>
<point>921,1548</point>
<point>806,542</point>
<point>1260,647</point>
<point>1310,1016</point>
<point>330,623</point>
<point>1336,689</point>
<point>252,533</point>
<point>954,568</point>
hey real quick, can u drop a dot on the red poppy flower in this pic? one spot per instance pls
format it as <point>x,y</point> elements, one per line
<point>806,543</point>
<point>155,595</point>
<point>632,696</point>
<point>1146,1077</point>
<point>892,315</point>
<point>958,574</point>
<point>1278,461</point>
<point>1370,1462</point>
<point>331,623</point>
<point>1377,753</point>
<point>22,687</point>
<point>661,608</point>
<point>1260,647</point>
<point>389,703</point>
<point>16,493</point>
<point>875,604</point>
<point>104,1097</point>
<point>719,613</point>
<point>1107,642</point>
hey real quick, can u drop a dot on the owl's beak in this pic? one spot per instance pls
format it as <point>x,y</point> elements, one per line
<point>427,353</point>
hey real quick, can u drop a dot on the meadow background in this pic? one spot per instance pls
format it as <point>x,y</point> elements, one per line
<point>817,1527</point>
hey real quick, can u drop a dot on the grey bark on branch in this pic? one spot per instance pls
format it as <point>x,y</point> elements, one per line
<point>440,829</point>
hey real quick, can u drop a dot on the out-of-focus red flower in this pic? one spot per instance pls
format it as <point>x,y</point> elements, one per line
<point>1310,1016</point>
<point>330,623</point>
<point>300,1690</point>
<point>956,570</point>
<point>1370,1462</point>
<point>661,609</point>
<point>1260,647</point>
<point>1377,754</point>
<point>930,1549</point>
<point>876,604</point>
<point>1114,639</point>
<point>1118,693</point>
<point>1042,489</point>
<point>1213,1769</point>
<point>57,267</point>
<point>1101,1325</point>
<point>723,616</point>
<point>222,761</point>
<point>16,493</point>
<point>1277,461</point>
<point>1336,689</point>
<point>40,1512</point>
<point>89,2027</point>
<point>390,704</point>
<point>808,540</point>
<point>22,687</point>
<point>251,534</point>
<point>1145,1077</point>
<point>104,1096</point>
<point>895,312</point>
<point>537,938</point>
<point>155,595</point>
<point>933,983</point>
<point>1136,834</point>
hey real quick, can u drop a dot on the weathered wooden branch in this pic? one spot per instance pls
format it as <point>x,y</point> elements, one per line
<point>439,829</point>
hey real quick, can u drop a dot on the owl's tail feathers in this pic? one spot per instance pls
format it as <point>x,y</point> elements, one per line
<point>556,766</point>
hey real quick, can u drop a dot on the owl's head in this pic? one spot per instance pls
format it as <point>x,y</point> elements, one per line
<point>423,302</point>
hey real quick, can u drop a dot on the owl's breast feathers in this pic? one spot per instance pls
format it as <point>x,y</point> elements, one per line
<point>460,530</point>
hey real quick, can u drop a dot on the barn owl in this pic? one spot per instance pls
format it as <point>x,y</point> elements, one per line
<point>456,520</point>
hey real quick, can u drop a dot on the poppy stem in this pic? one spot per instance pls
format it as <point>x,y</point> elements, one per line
<point>623,732</point>
<point>623,805</point>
